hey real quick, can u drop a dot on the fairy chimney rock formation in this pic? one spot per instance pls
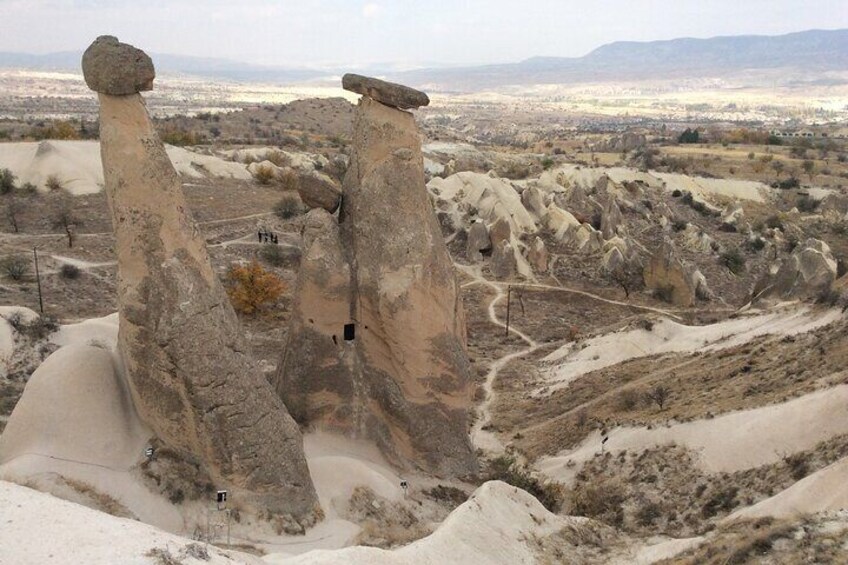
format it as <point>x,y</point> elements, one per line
<point>388,93</point>
<point>393,366</point>
<point>188,365</point>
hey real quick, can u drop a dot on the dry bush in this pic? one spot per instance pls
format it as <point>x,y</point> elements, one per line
<point>602,500</point>
<point>505,468</point>
<point>288,207</point>
<point>264,174</point>
<point>53,182</point>
<point>278,158</point>
<point>250,287</point>
<point>15,267</point>
<point>102,501</point>
<point>70,272</point>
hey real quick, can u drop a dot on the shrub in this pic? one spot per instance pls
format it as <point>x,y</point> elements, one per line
<point>602,500</point>
<point>723,500</point>
<point>29,189</point>
<point>664,293</point>
<point>16,267</point>
<point>179,137</point>
<point>733,260</point>
<point>547,163</point>
<point>506,469</point>
<point>757,244</point>
<point>774,222</point>
<point>53,182</point>
<point>678,225</point>
<point>789,183</point>
<point>7,181</point>
<point>274,255</point>
<point>250,287</point>
<point>68,271</point>
<point>288,207</point>
<point>264,174</point>
<point>807,204</point>
<point>37,329</point>
<point>628,399</point>
<point>676,193</point>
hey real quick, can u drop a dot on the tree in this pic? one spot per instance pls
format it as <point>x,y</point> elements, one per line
<point>14,207</point>
<point>810,168</point>
<point>689,136</point>
<point>66,220</point>
<point>7,181</point>
<point>628,275</point>
<point>659,395</point>
<point>778,167</point>
<point>250,287</point>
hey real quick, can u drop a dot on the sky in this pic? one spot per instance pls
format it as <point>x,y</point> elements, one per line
<point>408,33</point>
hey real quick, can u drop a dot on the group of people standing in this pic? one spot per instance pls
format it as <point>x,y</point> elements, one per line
<point>266,236</point>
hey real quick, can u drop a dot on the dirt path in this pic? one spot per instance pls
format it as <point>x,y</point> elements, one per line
<point>480,436</point>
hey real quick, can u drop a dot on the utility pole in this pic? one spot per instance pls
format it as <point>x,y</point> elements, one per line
<point>508,297</point>
<point>38,281</point>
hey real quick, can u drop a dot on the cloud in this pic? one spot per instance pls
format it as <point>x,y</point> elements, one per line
<point>370,10</point>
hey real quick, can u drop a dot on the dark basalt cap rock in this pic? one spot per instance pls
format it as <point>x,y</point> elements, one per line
<point>116,68</point>
<point>387,93</point>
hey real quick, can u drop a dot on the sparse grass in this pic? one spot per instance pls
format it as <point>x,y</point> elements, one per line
<point>53,182</point>
<point>264,174</point>
<point>101,500</point>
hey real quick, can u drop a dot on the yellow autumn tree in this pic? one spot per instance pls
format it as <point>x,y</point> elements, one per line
<point>250,287</point>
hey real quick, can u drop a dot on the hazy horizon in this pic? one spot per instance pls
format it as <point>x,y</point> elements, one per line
<point>326,33</point>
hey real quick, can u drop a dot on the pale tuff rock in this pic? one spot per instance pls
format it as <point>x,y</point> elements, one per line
<point>560,221</point>
<point>696,239</point>
<point>611,219</point>
<point>667,274</point>
<point>537,255</point>
<point>504,264</point>
<point>808,271</point>
<point>388,93</point>
<point>318,190</point>
<point>500,231</point>
<point>112,67</point>
<point>478,241</point>
<point>584,239</point>
<point>189,368</point>
<point>733,215</point>
<point>402,376</point>
<point>534,202</point>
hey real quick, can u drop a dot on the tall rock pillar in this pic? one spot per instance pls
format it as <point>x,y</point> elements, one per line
<point>402,376</point>
<point>189,367</point>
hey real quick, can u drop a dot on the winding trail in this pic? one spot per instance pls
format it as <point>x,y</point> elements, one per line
<point>481,436</point>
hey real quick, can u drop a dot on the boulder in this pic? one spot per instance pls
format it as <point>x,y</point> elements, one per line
<point>190,371</point>
<point>388,93</point>
<point>402,377</point>
<point>560,221</point>
<point>318,190</point>
<point>478,241</point>
<point>115,68</point>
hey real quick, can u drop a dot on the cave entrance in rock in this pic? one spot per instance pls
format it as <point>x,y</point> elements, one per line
<point>349,332</point>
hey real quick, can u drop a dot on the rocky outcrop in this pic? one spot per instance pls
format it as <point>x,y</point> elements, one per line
<point>478,241</point>
<point>810,270</point>
<point>397,371</point>
<point>317,190</point>
<point>611,219</point>
<point>504,264</point>
<point>537,255</point>
<point>534,202</point>
<point>670,278</point>
<point>388,93</point>
<point>189,368</point>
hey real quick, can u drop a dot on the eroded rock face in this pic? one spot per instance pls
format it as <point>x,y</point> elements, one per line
<point>389,93</point>
<point>403,379</point>
<point>478,242</point>
<point>810,270</point>
<point>190,371</point>
<point>666,274</point>
<point>504,263</point>
<point>112,67</point>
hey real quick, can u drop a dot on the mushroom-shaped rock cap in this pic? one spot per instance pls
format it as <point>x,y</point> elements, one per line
<point>388,93</point>
<point>116,68</point>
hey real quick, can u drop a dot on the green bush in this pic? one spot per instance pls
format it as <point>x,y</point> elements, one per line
<point>733,260</point>
<point>68,271</point>
<point>7,181</point>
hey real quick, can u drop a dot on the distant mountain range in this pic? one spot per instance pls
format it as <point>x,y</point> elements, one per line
<point>804,56</point>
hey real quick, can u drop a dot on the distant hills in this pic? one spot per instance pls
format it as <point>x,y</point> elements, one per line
<point>809,56</point>
<point>801,55</point>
